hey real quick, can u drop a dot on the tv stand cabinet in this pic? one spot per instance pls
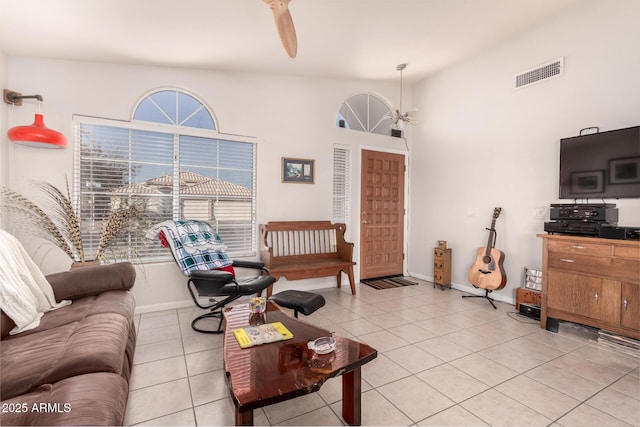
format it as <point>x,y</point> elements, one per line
<point>591,281</point>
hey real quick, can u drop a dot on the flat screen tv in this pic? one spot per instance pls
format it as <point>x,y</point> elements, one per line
<point>603,165</point>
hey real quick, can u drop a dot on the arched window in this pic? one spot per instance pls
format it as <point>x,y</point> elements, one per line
<point>170,160</point>
<point>174,107</point>
<point>365,112</point>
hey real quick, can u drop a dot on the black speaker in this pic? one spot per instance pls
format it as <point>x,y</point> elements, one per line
<point>621,233</point>
<point>396,133</point>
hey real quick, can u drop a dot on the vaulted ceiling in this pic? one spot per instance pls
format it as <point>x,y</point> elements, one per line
<point>359,39</point>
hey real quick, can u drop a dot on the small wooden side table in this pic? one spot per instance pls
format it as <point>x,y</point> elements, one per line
<point>442,266</point>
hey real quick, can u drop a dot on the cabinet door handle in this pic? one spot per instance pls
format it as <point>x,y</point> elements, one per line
<point>577,247</point>
<point>566,260</point>
<point>596,297</point>
<point>625,303</point>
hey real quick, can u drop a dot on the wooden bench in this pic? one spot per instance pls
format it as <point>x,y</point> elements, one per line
<point>305,250</point>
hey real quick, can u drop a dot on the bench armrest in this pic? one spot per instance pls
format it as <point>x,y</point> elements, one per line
<point>87,281</point>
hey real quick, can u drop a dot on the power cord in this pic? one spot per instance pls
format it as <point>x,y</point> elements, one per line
<point>518,315</point>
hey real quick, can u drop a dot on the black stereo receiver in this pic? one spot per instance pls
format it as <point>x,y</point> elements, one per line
<point>601,212</point>
<point>587,228</point>
<point>621,233</point>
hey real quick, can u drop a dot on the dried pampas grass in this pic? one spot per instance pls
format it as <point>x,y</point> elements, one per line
<point>58,222</point>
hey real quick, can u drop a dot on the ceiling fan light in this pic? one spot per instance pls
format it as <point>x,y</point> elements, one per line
<point>37,135</point>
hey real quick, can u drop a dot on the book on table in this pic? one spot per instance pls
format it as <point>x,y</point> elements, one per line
<point>250,336</point>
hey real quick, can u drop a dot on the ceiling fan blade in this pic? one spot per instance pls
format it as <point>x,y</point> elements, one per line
<point>284,24</point>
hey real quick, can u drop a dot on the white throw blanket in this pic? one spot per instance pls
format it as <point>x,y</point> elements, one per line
<point>25,294</point>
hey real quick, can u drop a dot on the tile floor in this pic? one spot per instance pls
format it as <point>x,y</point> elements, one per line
<point>442,361</point>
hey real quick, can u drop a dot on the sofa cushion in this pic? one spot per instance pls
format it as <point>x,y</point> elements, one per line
<point>88,281</point>
<point>121,302</point>
<point>96,343</point>
<point>92,399</point>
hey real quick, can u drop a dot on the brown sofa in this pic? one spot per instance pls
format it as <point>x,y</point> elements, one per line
<point>74,368</point>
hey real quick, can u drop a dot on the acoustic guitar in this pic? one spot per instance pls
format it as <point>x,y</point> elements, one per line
<point>487,271</point>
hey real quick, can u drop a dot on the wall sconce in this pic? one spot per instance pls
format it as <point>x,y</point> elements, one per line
<point>37,134</point>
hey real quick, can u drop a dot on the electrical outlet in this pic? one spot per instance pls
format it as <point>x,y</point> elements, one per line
<point>539,213</point>
<point>472,211</point>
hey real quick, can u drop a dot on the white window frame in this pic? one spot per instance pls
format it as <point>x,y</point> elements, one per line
<point>362,119</point>
<point>342,186</point>
<point>177,131</point>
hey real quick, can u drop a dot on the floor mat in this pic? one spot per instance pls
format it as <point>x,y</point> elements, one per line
<point>388,282</point>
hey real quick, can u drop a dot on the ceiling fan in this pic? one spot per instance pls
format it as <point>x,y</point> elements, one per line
<point>397,116</point>
<point>284,24</point>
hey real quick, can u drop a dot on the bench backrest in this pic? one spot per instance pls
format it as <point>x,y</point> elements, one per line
<point>305,239</point>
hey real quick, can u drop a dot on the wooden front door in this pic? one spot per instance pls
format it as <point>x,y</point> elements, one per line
<point>381,214</point>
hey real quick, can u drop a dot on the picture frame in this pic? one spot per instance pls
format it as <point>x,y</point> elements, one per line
<point>624,171</point>
<point>301,171</point>
<point>587,182</point>
<point>442,244</point>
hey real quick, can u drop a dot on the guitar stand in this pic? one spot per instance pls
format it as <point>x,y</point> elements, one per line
<point>486,295</point>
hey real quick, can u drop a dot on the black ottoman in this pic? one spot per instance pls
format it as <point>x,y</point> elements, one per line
<point>300,301</point>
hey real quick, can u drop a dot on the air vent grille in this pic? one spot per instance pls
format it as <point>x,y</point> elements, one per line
<point>543,72</point>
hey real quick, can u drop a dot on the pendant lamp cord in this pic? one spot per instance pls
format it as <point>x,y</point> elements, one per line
<point>400,68</point>
<point>400,90</point>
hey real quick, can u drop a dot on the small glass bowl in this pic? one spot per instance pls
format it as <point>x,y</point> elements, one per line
<point>258,305</point>
<point>322,345</point>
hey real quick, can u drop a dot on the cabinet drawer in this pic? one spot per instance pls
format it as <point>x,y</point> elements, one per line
<point>627,252</point>
<point>438,252</point>
<point>580,263</point>
<point>593,249</point>
<point>613,268</point>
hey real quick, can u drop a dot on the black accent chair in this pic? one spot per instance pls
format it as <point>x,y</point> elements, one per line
<point>218,283</point>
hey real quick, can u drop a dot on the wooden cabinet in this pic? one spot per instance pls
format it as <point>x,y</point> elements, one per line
<point>630,313</point>
<point>592,281</point>
<point>442,267</point>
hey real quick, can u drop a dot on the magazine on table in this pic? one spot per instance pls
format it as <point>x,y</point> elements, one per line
<point>249,336</point>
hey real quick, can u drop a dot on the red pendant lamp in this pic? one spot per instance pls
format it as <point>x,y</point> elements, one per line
<point>37,134</point>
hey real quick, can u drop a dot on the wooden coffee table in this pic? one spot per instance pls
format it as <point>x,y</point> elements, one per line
<point>275,372</point>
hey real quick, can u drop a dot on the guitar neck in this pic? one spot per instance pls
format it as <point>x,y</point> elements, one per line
<point>492,232</point>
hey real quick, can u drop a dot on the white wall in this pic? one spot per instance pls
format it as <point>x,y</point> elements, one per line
<point>4,108</point>
<point>290,116</point>
<point>482,144</point>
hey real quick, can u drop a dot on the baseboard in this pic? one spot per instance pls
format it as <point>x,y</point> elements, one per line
<point>150,308</point>
<point>470,289</point>
<point>282,286</point>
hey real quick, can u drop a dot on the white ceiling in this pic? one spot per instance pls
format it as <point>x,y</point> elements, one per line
<point>359,39</point>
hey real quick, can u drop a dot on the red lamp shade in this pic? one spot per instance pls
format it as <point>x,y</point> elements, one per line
<point>37,135</point>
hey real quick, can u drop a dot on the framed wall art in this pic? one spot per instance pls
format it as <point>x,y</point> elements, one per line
<point>298,170</point>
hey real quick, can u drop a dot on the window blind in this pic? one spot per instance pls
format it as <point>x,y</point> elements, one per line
<point>341,185</point>
<point>169,172</point>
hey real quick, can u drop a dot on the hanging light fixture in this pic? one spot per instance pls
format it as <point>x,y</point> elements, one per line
<point>37,134</point>
<point>397,116</point>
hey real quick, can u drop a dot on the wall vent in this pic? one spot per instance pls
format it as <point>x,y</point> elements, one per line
<point>542,72</point>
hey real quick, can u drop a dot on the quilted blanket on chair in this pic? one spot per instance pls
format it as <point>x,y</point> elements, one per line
<point>194,244</point>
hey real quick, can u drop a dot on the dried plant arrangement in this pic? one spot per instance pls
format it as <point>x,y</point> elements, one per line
<point>58,222</point>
